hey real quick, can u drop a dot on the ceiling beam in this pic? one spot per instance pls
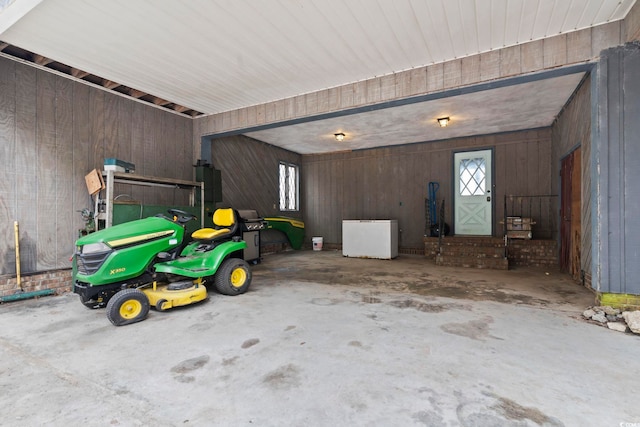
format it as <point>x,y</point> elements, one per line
<point>41,60</point>
<point>160,101</point>
<point>110,84</point>
<point>3,45</point>
<point>180,108</point>
<point>135,93</point>
<point>78,73</point>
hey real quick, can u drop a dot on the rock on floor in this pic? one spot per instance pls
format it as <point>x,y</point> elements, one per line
<point>599,317</point>
<point>617,326</point>
<point>613,318</point>
<point>633,320</point>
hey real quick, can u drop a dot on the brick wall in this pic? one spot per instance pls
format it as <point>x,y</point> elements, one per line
<point>56,280</point>
<point>533,253</point>
<point>430,247</point>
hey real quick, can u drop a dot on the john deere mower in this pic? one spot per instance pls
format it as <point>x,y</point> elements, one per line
<point>131,267</point>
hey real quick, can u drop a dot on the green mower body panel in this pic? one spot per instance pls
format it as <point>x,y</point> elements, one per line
<point>194,263</point>
<point>124,251</point>
<point>291,227</point>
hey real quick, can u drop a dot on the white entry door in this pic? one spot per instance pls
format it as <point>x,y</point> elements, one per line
<point>473,198</point>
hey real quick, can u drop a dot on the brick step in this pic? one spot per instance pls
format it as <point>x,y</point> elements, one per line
<point>473,262</point>
<point>532,243</point>
<point>467,248</point>
<point>499,244</point>
<point>471,251</point>
<point>468,240</point>
<point>473,254</point>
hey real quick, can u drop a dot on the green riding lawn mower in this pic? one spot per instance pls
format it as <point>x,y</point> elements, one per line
<point>131,267</point>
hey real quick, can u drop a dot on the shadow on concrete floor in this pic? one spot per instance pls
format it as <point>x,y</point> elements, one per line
<point>415,274</point>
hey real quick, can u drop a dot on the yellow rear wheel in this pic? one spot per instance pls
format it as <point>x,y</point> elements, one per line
<point>238,277</point>
<point>233,277</point>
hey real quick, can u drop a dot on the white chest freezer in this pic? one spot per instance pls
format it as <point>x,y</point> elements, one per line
<point>370,238</point>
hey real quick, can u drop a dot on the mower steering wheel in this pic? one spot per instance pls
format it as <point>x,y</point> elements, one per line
<point>182,217</point>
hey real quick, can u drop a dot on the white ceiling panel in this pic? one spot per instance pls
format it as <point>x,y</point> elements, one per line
<point>219,55</point>
<point>513,24</point>
<point>452,16</point>
<point>423,14</point>
<point>558,17</point>
<point>497,23</point>
<point>527,20</point>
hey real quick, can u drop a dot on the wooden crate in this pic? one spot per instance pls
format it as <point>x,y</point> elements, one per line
<point>94,182</point>
<point>516,223</point>
<point>519,234</point>
<point>519,228</point>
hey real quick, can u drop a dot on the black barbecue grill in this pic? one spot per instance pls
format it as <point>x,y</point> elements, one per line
<point>250,224</point>
<point>249,220</point>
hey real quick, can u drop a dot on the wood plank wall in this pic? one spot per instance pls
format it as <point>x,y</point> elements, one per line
<point>572,129</point>
<point>53,131</point>
<point>631,27</point>
<point>249,170</point>
<point>391,182</point>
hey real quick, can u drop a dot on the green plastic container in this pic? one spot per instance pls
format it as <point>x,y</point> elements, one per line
<point>291,227</point>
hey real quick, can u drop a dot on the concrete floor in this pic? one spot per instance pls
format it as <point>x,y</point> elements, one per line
<point>323,340</point>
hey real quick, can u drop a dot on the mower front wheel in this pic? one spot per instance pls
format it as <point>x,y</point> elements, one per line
<point>127,306</point>
<point>233,277</point>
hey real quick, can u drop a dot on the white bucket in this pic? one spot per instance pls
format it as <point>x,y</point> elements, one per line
<point>317,243</point>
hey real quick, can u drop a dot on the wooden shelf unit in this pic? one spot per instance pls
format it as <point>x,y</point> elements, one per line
<point>112,177</point>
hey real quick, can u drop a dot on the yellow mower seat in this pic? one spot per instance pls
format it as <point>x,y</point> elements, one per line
<point>209,233</point>
<point>225,225</point>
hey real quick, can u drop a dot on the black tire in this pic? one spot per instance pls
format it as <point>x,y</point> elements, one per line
<point>159,304</point>
<point>127,306</point>
<point>233,277</point>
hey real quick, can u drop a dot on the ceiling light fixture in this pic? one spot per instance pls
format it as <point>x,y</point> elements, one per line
<point>339,136</point>
<point>443,121</point>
